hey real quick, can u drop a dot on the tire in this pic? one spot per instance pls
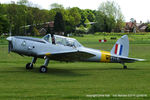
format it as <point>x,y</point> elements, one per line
<point>29,66</point>
<point>124,67</point>
<point>43,69</point>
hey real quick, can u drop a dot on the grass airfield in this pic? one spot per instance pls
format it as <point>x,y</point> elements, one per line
<point>69,81</point>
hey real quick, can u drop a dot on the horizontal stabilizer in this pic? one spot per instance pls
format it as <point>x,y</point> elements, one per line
<point>124,59</point>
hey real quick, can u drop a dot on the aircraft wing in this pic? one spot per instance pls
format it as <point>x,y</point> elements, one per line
<point>69,56</point>
<point>127,59</point>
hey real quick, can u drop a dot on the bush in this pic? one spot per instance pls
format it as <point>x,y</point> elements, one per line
<point>148,28</point>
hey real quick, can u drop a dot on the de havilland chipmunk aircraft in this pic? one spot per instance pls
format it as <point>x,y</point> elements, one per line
<point>67,49</point>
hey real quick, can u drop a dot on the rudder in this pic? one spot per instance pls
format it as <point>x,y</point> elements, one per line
<point>121,48</point>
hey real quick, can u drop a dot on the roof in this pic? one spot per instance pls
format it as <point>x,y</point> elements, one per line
<point>139,24</point>
<point>143,28</point>
<point>130,24</point>
<point>49,24</point>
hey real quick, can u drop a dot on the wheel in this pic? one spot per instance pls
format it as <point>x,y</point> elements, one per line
<point>124,67</point>
<point>43,69</point>
<point>29,66</point>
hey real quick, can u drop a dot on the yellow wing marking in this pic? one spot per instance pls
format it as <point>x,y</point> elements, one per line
<point>47,54</point>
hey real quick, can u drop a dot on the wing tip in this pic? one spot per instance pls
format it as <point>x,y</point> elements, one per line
<point>141,59</point>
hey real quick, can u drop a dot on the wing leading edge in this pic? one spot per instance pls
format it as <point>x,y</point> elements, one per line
<point>69,56</point>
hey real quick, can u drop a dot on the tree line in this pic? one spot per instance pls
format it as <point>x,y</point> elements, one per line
<point>17,18</point>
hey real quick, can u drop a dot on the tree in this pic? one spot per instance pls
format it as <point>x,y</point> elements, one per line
<point>109,16</point>
<point>11,14</point>
<point>101,24</point>
<point>22,2</point>
<point>87,23</point>
<point>74,16</point>
<point>52,14</point>
<point>16,14</point>
<point>59,25</point>
<point>111,8</point>
<point>23,14</point>
<point>72,19</point>
<point>90,15</point>
<point>49,30</point>
<point>148,28</point>
<point>3,24</point>
<point>56,5</point>
<point>84,16</point>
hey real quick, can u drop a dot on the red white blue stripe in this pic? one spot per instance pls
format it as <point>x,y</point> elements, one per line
<point>118,49</point>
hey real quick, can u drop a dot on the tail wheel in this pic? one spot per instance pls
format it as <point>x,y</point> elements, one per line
<point>43,69</point>
<point>29,66</point>
<point>124,67</point>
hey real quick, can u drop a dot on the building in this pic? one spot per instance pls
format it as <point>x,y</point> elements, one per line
<point>135,27</point>
<point>48,27</point>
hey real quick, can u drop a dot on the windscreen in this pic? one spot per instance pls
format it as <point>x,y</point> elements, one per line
<point>48,38</point>
<point>61,40</point>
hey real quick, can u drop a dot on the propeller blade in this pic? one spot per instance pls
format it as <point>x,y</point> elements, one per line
<point>9,47</point>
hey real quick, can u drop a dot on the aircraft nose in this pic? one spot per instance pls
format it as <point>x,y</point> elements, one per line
<point>9,38</point>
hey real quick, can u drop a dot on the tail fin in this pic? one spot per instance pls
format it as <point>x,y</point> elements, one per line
<point>121,48</point>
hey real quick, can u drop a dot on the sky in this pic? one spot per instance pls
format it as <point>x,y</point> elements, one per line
<point>137,9</point>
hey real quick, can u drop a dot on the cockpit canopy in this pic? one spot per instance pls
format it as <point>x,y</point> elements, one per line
<point>61,40</point>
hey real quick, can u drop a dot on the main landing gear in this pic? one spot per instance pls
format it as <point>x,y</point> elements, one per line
<point>30,65</point>
<point>43,68</point>
<point>124,66</point>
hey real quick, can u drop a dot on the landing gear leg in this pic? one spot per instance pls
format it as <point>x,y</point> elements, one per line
<point>43,69</point>
<point>30,65</point>
<point>124,66</point>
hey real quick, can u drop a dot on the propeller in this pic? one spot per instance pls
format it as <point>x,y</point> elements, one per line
<point>10,46</point>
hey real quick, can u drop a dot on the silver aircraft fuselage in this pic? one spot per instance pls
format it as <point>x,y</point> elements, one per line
<point>62,48</point>
<point>35,46</point>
